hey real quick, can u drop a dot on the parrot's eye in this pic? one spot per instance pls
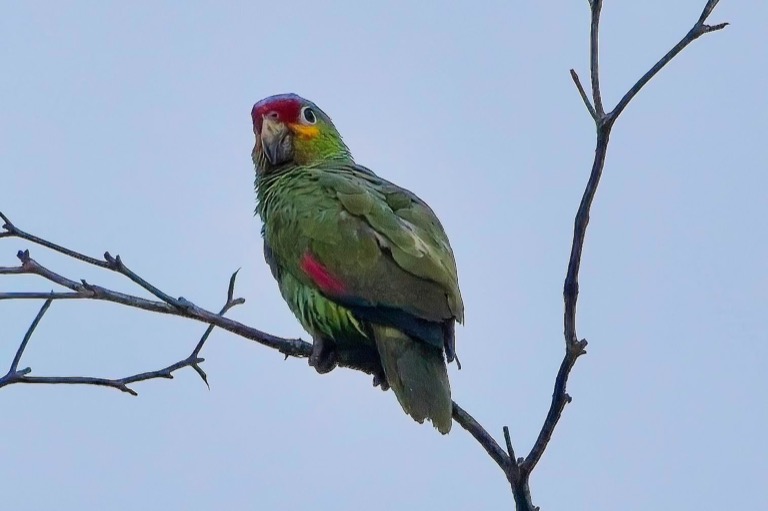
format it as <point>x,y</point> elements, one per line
<point>308,115</point>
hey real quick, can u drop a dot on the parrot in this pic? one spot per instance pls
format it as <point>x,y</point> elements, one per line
<point>363,264</point>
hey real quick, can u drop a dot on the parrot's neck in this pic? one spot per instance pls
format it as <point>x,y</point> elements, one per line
<point>271,185</point>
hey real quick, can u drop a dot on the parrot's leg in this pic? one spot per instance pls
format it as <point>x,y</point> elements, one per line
<point>380,379</point>
<point>365,358</point>
<point>324,356</point>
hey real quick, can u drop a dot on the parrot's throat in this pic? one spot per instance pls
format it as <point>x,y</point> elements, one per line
<point>268,185</point>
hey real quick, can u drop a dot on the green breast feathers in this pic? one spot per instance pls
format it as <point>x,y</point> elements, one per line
<point>360,240</point>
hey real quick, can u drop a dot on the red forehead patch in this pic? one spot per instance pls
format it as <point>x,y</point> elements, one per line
<point>286,106</point>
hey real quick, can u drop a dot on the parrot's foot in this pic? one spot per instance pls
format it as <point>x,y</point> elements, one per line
<point>324,356</point>
<point>380,380</point>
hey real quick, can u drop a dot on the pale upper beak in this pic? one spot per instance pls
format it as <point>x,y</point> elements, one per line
<point>276,141</point>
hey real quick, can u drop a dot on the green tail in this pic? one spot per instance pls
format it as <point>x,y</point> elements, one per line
<point>417,374</point>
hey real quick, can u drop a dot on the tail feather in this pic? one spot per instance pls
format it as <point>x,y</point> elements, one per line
<point>417,373</point>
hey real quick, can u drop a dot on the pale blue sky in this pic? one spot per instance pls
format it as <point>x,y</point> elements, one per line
<point>124,126</point>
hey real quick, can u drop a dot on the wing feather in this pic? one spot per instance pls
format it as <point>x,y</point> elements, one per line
<point>388,246</point>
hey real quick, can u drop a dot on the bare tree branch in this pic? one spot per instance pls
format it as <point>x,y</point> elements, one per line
<point>34,295</point>
<point>583,95</point>
<point>13,231</point>
<point>594,69</point>
<point>27,336</point>
<point>466,421</point>
<point>180,307</point>
<point>193,360</point>
<point>574,347</point>
<point>698,30</point>
<point>517,470</point>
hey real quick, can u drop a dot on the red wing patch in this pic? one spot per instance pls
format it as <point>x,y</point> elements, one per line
<point>322,278</point>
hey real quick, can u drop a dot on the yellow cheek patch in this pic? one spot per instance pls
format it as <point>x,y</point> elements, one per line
<point>305,131</point>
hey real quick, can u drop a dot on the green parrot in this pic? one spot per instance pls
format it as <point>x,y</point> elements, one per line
<point>364,265</point>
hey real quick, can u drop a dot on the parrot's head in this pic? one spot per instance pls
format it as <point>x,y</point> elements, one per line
<point>292,130</point>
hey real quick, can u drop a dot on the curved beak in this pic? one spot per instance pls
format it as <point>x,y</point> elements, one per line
<point>276,142</point>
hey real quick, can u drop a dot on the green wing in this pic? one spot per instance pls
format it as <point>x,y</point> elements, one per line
<point>381,243</point>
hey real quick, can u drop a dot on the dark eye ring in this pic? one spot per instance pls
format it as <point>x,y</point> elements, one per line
<point>308,115</point>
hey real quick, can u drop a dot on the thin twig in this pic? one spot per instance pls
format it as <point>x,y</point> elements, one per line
<point>28,335</point>
<point>13,231</point>
<point>289,347</point>
<point>110,263</point>
<point>120,384</point>
<point>193,360</point>
<point>34,295</point>
<point>494,450</point>
<point>508,441</point>
<point>231,302</point>
<point>698,30</point>
<point>583,94</point>
<point>559,399</point>
<point>594,53</point>
<point>116,264</point>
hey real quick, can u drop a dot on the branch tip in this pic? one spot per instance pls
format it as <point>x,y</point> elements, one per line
<point>231,288</point>
<point>708,8</point>
<point>577,348</point>
<point>508,441</point>
<point>715,28</point>
<point>583,94</point>
<point>27,336</point>
<point>201,373</point>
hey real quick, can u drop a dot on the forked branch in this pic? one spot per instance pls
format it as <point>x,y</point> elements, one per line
<point>16,375</point>
<point>518,471</point>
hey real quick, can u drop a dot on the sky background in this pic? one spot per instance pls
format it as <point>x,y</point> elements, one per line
<point>125,126</point>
